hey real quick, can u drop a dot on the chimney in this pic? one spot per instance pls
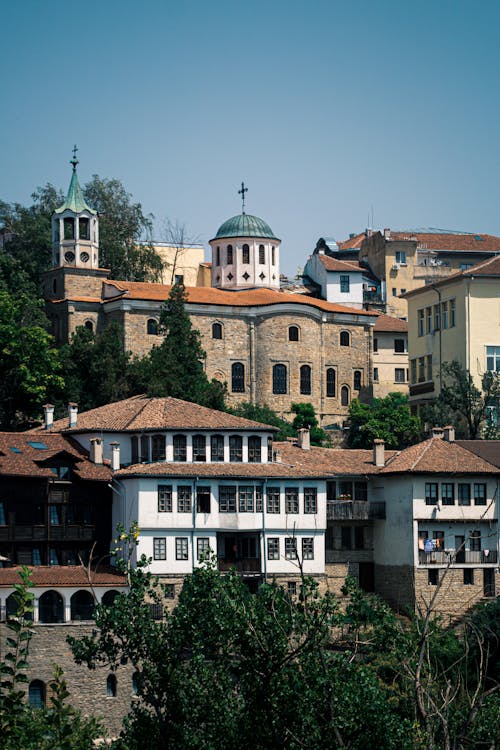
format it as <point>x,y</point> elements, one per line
<point>96,450</point>
<point>304,439</point>
<point>276,457</point>
<point>449,433</point>
<point>379,452</point>
<point>48,415</point>
<point>72,414</point>
<point>115,456</point>
<point>437,432</point>
<point>387,233</point>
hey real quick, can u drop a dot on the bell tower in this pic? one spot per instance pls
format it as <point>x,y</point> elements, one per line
<point>75,229</point>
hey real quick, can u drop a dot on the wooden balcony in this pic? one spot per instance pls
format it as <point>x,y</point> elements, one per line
<point>39,532</point>
<point>462,557</point>
<point>245,566</point>
<point>354,510</point>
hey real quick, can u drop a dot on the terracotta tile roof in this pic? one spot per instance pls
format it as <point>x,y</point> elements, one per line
<point>205,295</point>
<point>486,268</point>
<point>334,264</point>
<point>353,242</point>
<point>438,456</point>
<point>63,575</point>
<point>144,413</point>
<point>443,241</point>
<point>388,323</point>
<point>295,462</point>
<point>489,450</point>
<point>25,454</point>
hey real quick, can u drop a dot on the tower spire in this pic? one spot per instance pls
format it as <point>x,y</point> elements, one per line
<point>242,193</point>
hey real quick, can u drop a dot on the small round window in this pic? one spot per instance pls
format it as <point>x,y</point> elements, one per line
<point>69,257</point>
<point>84,257</point>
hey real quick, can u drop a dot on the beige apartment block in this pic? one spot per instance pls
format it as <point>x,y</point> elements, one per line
<point>458,319</point>
<point>390,356</point>
<point>184,263</point>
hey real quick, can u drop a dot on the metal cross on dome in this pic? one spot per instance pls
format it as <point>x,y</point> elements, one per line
<point>74,160</point>
<point>242,193</point>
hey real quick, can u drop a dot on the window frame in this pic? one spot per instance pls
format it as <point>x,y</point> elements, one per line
<point>273,548</point>
<point>237,377</point>
<point>291,552</point>
<point>227,498</point>
<point>305,380</point>
<point>291,500</point>
<point>235,449</point>
<point>280,379</point>
<point>181,548</point>
<point>184,498</point>
<point>431,493</point>
<point>310,500</point>
<point>159,548</point>
<point>164,496</point>
<point>308,548</point>
<point>273,500</point>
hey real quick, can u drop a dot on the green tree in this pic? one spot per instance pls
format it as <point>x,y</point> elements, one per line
<point>463,404</point>
<point>122,224</point>
<point>176,367</point>
<point>30,370</point>
<point>28,246</point>
<point>305,416</point>
<point>96,367</point>
<point>388,419</point>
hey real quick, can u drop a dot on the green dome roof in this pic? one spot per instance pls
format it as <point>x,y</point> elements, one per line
<point>245,225</point>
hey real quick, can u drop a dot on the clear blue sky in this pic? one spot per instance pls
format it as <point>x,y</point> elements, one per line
<point>325,108</point>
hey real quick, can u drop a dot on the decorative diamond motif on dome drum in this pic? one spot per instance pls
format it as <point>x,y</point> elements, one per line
<point>262,276</point>
<point>230,276</point>
<point>246,276</point>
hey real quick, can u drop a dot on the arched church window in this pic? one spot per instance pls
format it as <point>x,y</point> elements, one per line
<point>345,339</point>
<point>238,378</point>
<point>344,395</point>
<point>330,382</point>
<point>245,254</point>
<point>89,325</point>
<point>217,255</point>
<point>262,255</point>
<point>229,255</point>
<point>273,261</point>
<point>69,229</point>
<point>216,330</point>
<point>357,380</point>
<point>293,333</point>
<point>279,379</point>
<point>305,380</point>
<point>111,686</point>
<point>152,327</point>
<point>84,229</point>
<point>36,694</point>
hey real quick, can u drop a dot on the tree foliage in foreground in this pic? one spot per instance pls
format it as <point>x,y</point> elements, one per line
<point>387,419</point>
<point>464,405</point>
<point>226,669</point>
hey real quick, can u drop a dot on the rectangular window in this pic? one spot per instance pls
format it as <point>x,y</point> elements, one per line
<point>401,257</point>
<point>164,498</point>
<point>444,315</point>
<point>345,538</point>
<point>399,346</point>
<point>433,577</point>
<point>421,322</point>
<point>344,284</point>
<point>227,499</point>
<point>290,548</point>
<point>236,449</point>
<point>429,367</point>
<point>431,493</point>
<point>448,493</point>
<point>216,448</point>
<point>375,374</point>
<point>258,499</point>
<point>493,358</point>
<point>159,548</point>
<point>181,548</point>
<point>399,375</point>
<point>291,588</point>
<point>273,548</point>
<point>413,365</point>
<point>202,548</point>
<point>245,499</point>
<point>184,498</point>
<point>475,540</point>
<point>428,317</point>
<point>203,499</point>
<point>468,576</point>
<point>199,448</point>
<point>421,369</point>
<point>361,491</point>
<point>464,494</point>
<point>307,548</point>
<point>452,313</point>
<point>291,499</point>
<point>375,345</point>
<point>273,500</point>
<point>310,500</point>
<point>437,317</point>
<point>394,291</point>
<point>479,494</point>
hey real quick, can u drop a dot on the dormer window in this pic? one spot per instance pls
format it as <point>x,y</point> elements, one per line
<point>84,229</point>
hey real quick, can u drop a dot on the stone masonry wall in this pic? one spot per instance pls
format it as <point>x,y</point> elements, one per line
<point>395,584</point>
<point>454,598</point>
<point>87,687</point>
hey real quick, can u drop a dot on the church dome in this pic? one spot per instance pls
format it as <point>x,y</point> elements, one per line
<point>245,225</point>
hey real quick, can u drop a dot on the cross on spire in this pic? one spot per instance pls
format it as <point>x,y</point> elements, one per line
<point>74,160</point>
<point>242,193</point>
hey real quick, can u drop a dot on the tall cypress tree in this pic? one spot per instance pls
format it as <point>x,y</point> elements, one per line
<point>176,367</point>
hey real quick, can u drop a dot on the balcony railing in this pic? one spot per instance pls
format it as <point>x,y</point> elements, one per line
<point>28,532</point>
<point>244,565</point>
<point>355,510</point>
<point>470,557</point>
